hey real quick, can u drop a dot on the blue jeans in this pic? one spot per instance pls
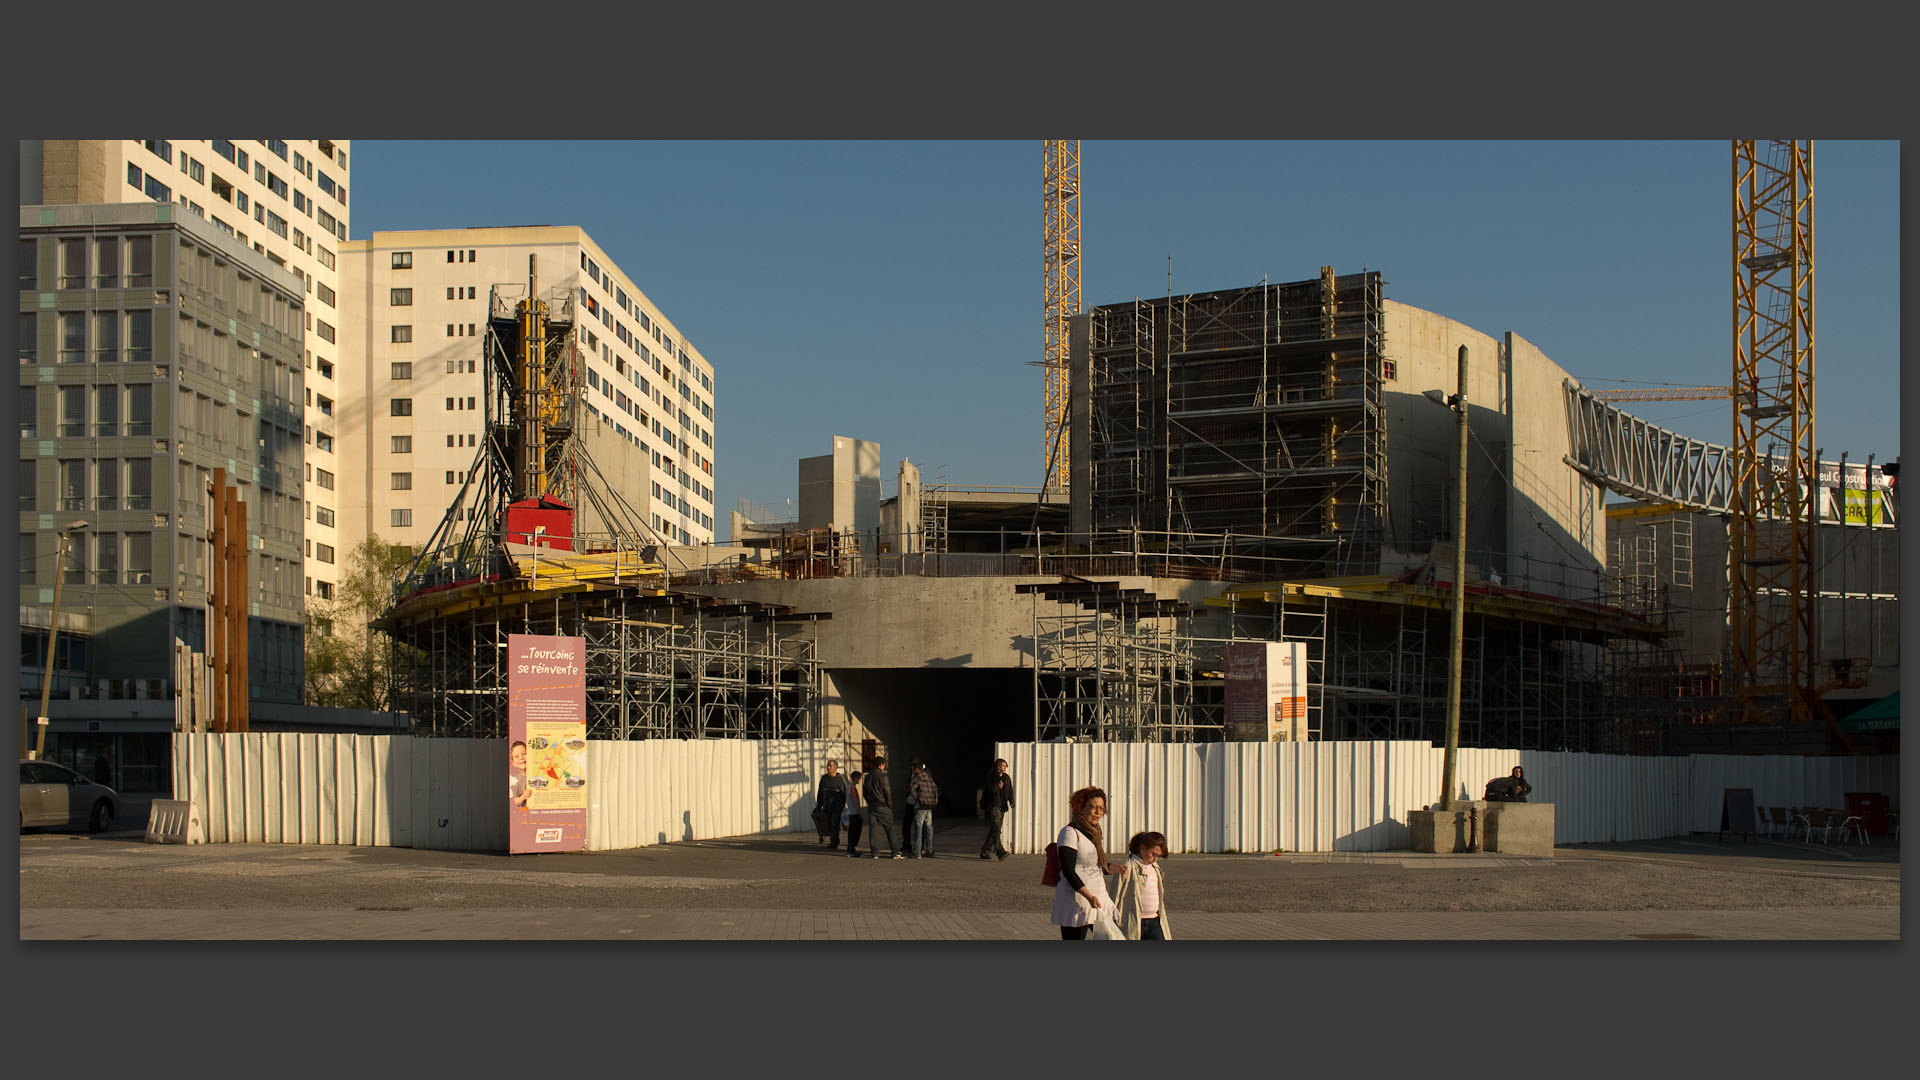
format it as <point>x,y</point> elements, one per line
<point>921,838</point>
<point>1150,930</point>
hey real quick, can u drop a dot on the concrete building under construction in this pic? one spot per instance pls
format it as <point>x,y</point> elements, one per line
<point>540,541</point>
<point>1260,464</point>
<point>1256,464</point>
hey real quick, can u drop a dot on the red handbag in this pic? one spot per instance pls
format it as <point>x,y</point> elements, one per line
<point>1050,874</point>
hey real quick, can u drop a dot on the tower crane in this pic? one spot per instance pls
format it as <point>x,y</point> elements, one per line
<point>1060,236</point>
<point>1674,393</point>
<point>1771,639</point>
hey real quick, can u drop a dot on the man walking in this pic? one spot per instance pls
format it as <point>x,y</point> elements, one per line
<point>829,801</point>
<point>877,792</point>
<point>925,795</point>
<point>996,799</point>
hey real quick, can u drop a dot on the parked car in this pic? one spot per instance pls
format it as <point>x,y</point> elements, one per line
<point>56,795</point>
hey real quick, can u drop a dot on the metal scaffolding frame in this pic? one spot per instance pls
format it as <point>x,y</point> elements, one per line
<point>659,665</point>
<point>1249,420</point>
<point>1113,665</point>
<point>1377,667</point>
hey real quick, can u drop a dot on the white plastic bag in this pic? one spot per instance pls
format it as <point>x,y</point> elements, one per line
<point>1103,928</point>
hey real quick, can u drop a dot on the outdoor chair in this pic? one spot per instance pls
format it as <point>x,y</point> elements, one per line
<point>1854,826</point>
<point>1801,822</point>
<point>1782,821</point>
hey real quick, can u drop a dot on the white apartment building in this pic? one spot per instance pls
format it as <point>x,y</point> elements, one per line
<point>284,198</point>
<point>411,410</point>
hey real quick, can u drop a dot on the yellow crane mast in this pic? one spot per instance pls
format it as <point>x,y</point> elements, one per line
<point>1060,235</point>
<point>1771,531</point>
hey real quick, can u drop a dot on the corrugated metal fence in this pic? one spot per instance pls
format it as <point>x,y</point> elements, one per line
<point>1355,796</point>
<point>450,794</point>
<point>399,791</point>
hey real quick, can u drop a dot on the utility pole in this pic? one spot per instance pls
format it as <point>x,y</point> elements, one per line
<point>1458,403</point>
<point>53,638</point>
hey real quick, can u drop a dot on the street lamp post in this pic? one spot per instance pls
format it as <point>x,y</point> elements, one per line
<point>1458,403</point>
<point>53,637</point>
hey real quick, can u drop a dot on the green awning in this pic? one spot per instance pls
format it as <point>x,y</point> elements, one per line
<point>1882,715</point>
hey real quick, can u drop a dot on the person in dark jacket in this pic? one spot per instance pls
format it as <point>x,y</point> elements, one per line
<point>996,799</point>
<point>876,792</point>
<point>1512,788</point>
<point>830,800</point>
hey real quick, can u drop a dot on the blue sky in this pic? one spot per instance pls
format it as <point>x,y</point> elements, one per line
<point>891,291</point>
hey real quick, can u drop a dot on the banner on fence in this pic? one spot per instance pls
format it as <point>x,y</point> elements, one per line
<point>1266,691</point>
<point>547,743</point>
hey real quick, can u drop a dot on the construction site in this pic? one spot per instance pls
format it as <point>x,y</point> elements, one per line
<point>547,546</point>
<point>1456,530</point>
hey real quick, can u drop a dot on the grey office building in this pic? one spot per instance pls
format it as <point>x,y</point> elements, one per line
<point>155,347</point>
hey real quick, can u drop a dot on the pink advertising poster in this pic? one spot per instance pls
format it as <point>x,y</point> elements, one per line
<point>546,743</point>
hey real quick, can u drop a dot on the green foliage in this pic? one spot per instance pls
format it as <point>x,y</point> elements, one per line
<point>349,665</point>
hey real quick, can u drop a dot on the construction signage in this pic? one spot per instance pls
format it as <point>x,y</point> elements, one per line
<point>1266,691</point>
<point>546,743</point>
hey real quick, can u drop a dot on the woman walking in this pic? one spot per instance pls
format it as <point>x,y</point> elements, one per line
<point>1141,903</point>
<point>1081,895</point>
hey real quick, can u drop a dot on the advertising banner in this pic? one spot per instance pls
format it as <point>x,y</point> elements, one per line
<point>1267,688</point>
<point>546,743</point>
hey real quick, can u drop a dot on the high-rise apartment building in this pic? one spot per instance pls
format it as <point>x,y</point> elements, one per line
<point>286,200</point>
<point>413,412</point>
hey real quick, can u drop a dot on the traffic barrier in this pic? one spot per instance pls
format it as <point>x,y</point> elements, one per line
<point>174,821</point>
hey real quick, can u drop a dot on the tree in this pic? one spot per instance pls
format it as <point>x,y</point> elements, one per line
<point>350,665</point>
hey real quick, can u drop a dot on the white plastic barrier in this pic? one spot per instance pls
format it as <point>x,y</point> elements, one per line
<point>173,821</point>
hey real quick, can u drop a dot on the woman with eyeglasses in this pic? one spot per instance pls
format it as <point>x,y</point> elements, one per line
<point>1140,905</point>
<point>1081,895</point>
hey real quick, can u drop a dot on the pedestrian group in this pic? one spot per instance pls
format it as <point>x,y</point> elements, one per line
<point>1093,897</point>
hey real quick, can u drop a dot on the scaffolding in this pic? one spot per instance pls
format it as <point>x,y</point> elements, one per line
<point>1248,420</point>
<point>1535,674</point>
<point>659,665</point>
<point>1113,664</point>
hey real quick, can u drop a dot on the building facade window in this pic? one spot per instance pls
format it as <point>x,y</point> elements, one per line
<point>402,370</point>
<point>400,519</point>
<point>400,406</point>
<point>400,297</point>
<point>402,260</point>
<point>402,444</point>
<point>402,334</point>
<point>400,481</point>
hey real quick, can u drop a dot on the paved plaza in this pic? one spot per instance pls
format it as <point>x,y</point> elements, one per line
<point>786,887</point>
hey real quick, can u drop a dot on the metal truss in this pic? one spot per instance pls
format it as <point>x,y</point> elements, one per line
<point>1645,461</point>
<point>1060,238</point>
<point>1772,642</point>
